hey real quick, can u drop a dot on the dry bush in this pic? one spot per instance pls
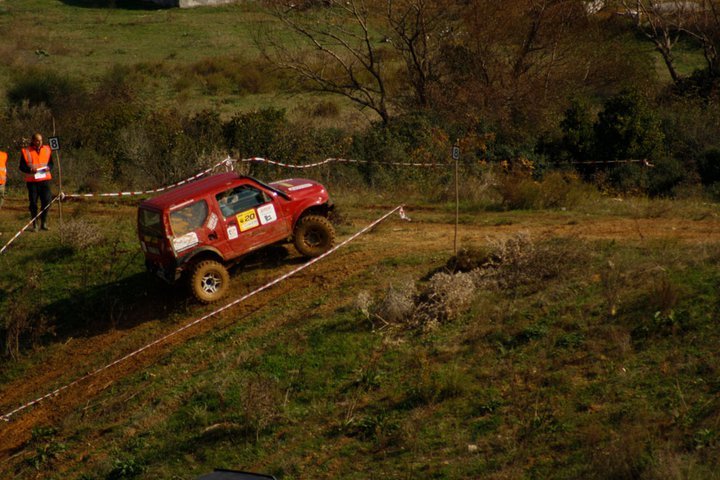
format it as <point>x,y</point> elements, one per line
<point>469,259</point>
<point>518,261</point>
<point>261,399</point>
<point>21,319</point>
<point>664,294</point>
<point>555,190</point>
<point>445,298</point>
<point>79,234</point>
<point>17,323</point>
<point>612,283</point>
<point>518,192</point>
<point>325,109</point>
<point>397,305</point>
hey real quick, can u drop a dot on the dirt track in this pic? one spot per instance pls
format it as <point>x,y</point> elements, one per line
<point>78,356</point>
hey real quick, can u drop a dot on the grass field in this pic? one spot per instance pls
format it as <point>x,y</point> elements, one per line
<point>588,351</point>
<point>192,59</point>
<point>574,336</point>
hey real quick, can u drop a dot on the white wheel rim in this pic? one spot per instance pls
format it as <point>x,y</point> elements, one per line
<point>211,283</point>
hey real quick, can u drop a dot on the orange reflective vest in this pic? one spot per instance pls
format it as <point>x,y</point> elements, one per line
<point>3,168</point>
<point>39,161</point>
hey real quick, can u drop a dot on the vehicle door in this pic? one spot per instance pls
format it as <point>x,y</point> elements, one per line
<point>192,224</point>
<point>252,218</point>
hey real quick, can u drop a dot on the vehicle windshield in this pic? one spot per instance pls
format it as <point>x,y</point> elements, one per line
<point>270,187</point>
<point>239,199</point>
<point>188,218</point>
<point>150,221</point>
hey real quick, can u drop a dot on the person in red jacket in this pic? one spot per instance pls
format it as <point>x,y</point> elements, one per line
<point>36,163</point>
<point>3,176</point>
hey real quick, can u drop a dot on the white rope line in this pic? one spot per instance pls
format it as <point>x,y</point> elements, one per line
<point>644,161</point>
<point>155,190</point>
<point>59,197</point>
<point>338,160</point>
<point>6,417</point>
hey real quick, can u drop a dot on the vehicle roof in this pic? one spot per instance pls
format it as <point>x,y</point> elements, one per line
<point>192,190</point>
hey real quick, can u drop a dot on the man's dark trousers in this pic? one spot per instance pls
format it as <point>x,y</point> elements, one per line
<point>42,191</point>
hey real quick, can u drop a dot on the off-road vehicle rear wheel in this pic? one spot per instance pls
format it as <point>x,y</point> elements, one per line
<point>209,281</point>
<point>314,235</point>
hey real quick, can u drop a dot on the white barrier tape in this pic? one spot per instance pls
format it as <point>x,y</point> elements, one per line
<point>6,417</point>
<point>226,162</point>
<point>339,160</point>
<point>644,161</point>
<point>59,197</point>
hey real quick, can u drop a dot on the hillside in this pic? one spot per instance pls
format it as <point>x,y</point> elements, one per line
<point>591,354</point>
<point>574,334</point>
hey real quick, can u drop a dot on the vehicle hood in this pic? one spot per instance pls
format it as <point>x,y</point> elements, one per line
<point>299,188</point>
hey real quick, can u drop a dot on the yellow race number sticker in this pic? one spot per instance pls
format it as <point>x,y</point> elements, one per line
<point>247,220</point>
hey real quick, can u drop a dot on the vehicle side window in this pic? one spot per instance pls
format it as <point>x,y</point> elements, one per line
<point>240,199</point>
<point>188,218</point>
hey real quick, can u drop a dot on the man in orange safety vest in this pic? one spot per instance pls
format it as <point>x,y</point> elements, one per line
<point>36,163</point>
<point>3,176</point>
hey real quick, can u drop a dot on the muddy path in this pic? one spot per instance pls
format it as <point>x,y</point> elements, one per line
<point>394,238</point>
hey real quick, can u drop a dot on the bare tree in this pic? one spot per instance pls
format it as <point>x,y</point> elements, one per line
<point>704,26</point>
<point>663,23</point>
<point>420,29</point>
<point>344,58</point>
<point>514,58</point>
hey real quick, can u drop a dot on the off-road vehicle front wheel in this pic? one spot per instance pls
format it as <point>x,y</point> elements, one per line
<point>209,281</point>
<point>314,235</point>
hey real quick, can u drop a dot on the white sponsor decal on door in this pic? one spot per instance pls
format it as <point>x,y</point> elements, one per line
<point>267,213</point>
<point>212,221</point>
<point>186,241</point>
<point>232,232</point>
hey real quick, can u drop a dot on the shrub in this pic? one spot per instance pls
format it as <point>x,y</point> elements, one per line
<point>445,298</point>
<point>326,108</point>
<point>80,234</point>
<point>578,137</point>
<point>22,320</point>
<point>397,305</point>
<point>709,166</point>
<point>554,190</point>
<point>38,86</point>
<point>627,128</point>
<point>518,262</point>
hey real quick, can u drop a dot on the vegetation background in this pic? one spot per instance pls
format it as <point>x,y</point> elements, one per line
<point>534,355</point>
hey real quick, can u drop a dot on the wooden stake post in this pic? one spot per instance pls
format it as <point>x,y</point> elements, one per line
<point>54,143</point>
<point>456,157</point>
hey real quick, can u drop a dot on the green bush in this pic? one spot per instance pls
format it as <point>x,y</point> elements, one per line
<point>38,86</point>
<point>628,128</point>
<point>709,167</point>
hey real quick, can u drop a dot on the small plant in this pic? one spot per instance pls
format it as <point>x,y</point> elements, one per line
<point>124,469</point>
<point>445,298</point>
<point>46,448</point>
<point>80,234</point>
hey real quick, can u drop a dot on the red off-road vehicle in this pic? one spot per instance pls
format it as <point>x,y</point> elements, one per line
<point>198,230</point>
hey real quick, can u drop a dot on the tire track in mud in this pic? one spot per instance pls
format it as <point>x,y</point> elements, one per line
<point>73,358</point>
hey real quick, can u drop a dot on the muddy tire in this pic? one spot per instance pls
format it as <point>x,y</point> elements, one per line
<point>314,235</point>
<point>209,281</point>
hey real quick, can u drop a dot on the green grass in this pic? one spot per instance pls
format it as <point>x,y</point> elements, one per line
<point>164,47</point>
<point>535,380</point>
